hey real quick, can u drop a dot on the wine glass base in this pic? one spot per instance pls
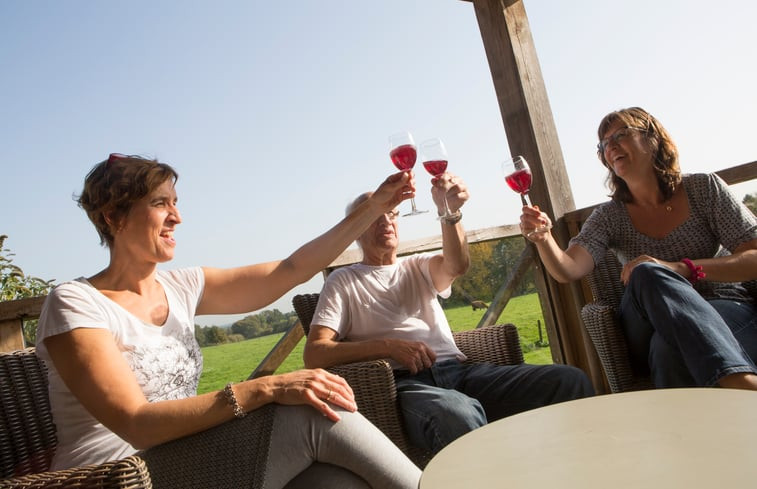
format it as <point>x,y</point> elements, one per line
<point>414,213</point>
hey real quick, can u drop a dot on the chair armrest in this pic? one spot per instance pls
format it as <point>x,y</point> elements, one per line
<point>376,394</point>
<point>498,344</point>
<point>130,472</point>
<point>232,454</point>
<point>607,336</point>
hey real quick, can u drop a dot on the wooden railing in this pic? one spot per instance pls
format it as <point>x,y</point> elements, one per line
<point>13,313</point>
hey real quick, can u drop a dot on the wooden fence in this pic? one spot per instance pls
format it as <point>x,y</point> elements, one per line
<point>13,313</point>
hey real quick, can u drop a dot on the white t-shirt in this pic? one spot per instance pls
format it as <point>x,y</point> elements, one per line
<point>165,359</point>
<point>362,302</point>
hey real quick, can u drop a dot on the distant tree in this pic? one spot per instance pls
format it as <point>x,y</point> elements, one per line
<point>250,327</point>
<point>264,323</point>
<point>14,284</point>
<point>491,264</point>
<point>750,200</point>
<point>506,256</point>
<point>235,338</point>
<point>200,335</point>
<point>285,323</point>
<point>215,335</point>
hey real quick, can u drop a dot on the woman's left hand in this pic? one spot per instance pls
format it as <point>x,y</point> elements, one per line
<point>625,274</point>
<point>317,387</point>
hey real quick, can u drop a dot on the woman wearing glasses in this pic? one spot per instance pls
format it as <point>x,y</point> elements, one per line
<point>686,244</point>
<point>124,364</point>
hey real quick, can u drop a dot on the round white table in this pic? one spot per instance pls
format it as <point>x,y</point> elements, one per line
<point>671,438</point>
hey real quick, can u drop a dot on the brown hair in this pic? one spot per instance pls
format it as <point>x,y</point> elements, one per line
<point>113,186</point>
<point>665,152</point>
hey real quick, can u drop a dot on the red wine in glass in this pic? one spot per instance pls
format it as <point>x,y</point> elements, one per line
<point>520,181</point>
<point>434,157</point>
<point>403,157</point>
<point>518,177</point>
<point>403,154</point>
<point>435,167</point>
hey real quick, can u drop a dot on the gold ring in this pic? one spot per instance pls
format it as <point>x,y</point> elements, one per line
<point>329,396</point>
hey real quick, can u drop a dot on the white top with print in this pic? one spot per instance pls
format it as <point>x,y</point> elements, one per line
<point>165,359</point>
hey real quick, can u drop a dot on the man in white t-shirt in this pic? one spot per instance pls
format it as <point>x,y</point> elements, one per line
<point>388,308</point>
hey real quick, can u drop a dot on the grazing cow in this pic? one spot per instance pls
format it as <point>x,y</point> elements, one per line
<point>479,305</point>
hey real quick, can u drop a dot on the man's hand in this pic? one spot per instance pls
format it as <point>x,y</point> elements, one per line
<point>392,191</point>
<point>414,355</point>
<point>450,187</point>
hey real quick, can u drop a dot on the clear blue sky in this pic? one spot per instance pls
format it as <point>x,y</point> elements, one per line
<point>276,114</point>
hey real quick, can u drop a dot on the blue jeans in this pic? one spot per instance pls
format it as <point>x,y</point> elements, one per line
<point>449,399</point>
<point>679,337</point>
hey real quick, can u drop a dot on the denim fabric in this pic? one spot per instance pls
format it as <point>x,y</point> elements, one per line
<point>679,337</point>
<point>449,399</point>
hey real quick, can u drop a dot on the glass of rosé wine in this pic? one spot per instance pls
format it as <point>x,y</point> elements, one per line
<point>403,154</point>
<point>518,177</point>
<point>434,158</point>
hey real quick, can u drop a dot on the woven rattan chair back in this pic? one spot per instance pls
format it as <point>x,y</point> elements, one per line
<point>27,432</point>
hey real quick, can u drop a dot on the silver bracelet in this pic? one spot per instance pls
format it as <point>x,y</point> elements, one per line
<point>231,399</point>
<point>454,218</point>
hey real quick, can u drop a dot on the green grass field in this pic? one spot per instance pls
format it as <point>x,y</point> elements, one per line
<point>234,361</point>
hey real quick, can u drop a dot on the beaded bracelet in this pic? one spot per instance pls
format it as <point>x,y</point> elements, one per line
<point>232,400</point>
<point>696,271</point>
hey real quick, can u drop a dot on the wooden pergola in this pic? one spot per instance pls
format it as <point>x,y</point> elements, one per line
<point>530,131</point>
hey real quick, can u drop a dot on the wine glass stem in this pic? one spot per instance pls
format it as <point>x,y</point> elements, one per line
<point>412,204</point>
<point>446,207</point>
<point>526,199</point>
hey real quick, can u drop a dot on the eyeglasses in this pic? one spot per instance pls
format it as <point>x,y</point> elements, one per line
<point>615,137</point>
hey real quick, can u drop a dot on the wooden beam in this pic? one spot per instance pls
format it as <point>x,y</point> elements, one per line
<point>280,352</point>
<point>28,308</point>
<point>739,174</point>
<point>431,243</point>
<point>531,132</point>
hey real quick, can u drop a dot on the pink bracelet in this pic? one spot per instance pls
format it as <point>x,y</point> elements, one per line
<point>696,271</point>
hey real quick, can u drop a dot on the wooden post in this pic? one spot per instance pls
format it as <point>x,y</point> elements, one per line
<point>12,316</point>
<point>11,337</point>
<point>531,132</point>
<point>280,352</point>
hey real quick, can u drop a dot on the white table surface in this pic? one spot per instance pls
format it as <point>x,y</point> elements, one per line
<point>687,438</point>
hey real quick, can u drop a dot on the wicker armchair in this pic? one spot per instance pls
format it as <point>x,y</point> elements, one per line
<point>27,435</point>
<point>28,442</point>
<point>600,319</point>
<point>373,381</point>
<point>605,331</point>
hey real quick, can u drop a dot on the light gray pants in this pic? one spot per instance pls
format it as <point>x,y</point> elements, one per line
<point>310,451</point>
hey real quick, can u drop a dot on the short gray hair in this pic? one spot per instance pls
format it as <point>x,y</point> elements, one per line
<point>358,200</point>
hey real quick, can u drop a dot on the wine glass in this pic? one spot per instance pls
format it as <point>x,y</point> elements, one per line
<point>434,158</point>
<point>518,177</point>
<point>403,154</point>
